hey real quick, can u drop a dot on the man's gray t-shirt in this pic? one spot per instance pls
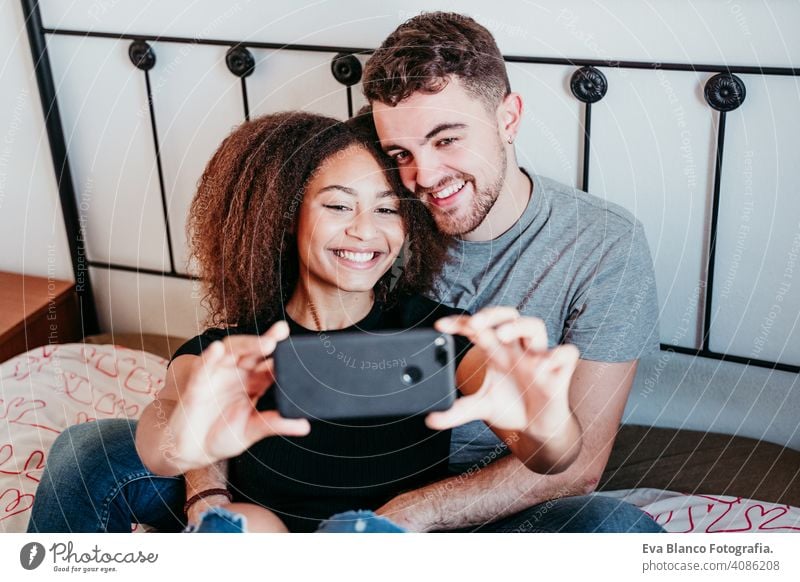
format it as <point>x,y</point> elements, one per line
<point>577,262</point>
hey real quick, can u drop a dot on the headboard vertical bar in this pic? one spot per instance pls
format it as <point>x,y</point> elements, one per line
<point>349,101</point>
<point>161,188</point>
<point>712,245</point>
<point>245,101</point>
<point>723,92</point>
<point>241,63</point>
<point>58,150</point>
<point>588,85</point>
<point>587,145</point>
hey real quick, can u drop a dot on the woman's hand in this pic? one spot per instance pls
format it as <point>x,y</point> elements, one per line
<point>525,386</point>
<point>216,417</point>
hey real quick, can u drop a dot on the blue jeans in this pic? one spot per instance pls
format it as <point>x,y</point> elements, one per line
<point>220,520</point>
<point>94,481</point>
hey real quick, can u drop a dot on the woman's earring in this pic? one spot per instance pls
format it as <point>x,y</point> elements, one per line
<point>510,139</point>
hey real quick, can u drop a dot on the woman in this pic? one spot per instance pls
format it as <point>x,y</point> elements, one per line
<point>296,227</point>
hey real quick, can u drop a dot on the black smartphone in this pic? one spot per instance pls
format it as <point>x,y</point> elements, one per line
<point>335,375</point>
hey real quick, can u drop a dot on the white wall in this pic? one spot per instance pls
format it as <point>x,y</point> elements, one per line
<point>652,151</point>
<point>32,238</point>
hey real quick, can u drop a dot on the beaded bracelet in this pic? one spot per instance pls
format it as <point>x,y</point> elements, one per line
<point>207,493</point>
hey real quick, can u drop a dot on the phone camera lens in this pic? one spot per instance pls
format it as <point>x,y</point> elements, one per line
<point>411,375</point>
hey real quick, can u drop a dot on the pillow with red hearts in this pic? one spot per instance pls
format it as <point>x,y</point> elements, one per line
<point>47,389</point>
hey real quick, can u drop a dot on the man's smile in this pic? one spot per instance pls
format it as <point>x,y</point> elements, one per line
<point>449,191</point>
<point>447,196</point>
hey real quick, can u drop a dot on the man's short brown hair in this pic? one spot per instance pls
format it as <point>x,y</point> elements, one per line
<point>425,51</point>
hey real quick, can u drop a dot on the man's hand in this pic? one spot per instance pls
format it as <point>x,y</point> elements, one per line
<point>525,386</point>
<point>486,493</point>
<point>216,417</point>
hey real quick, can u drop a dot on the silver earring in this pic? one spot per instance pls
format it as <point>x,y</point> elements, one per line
<point>510,139</point>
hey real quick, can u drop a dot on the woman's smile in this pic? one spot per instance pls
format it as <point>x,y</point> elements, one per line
<point>358,259</point>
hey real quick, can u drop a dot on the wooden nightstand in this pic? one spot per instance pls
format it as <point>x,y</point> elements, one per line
<point>36,311</point>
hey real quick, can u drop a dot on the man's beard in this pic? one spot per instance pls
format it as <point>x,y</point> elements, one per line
<point>456,224</point>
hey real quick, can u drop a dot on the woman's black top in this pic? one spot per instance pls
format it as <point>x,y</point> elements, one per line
<point>340,465</point>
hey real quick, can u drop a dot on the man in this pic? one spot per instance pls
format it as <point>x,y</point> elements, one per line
<point>443,109</point>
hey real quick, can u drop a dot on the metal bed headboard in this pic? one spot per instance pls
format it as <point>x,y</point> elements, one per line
<point>724,92</point>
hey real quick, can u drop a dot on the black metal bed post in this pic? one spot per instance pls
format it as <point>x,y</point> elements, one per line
<point>346,68</point>
<point>588,85</point>
<point>143,58</point>
<point>245,101</point>
<point>723,92</point>
<point>58,151</point>
<point>241,63</point>
<point>587,144</point>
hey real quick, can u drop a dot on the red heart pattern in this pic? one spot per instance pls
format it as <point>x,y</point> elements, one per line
<point>46,388</point>
<point>112,405</point>
<point>14,502</point>
<point>22,411</point>
<point>141,381</point>
<point>684,513</point>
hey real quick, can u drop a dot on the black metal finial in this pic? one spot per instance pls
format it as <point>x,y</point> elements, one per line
<point>588,84</point>
<point>346,68</point>
<point>240,61</point>
<point>142,55</point>
<point>725,92</point>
